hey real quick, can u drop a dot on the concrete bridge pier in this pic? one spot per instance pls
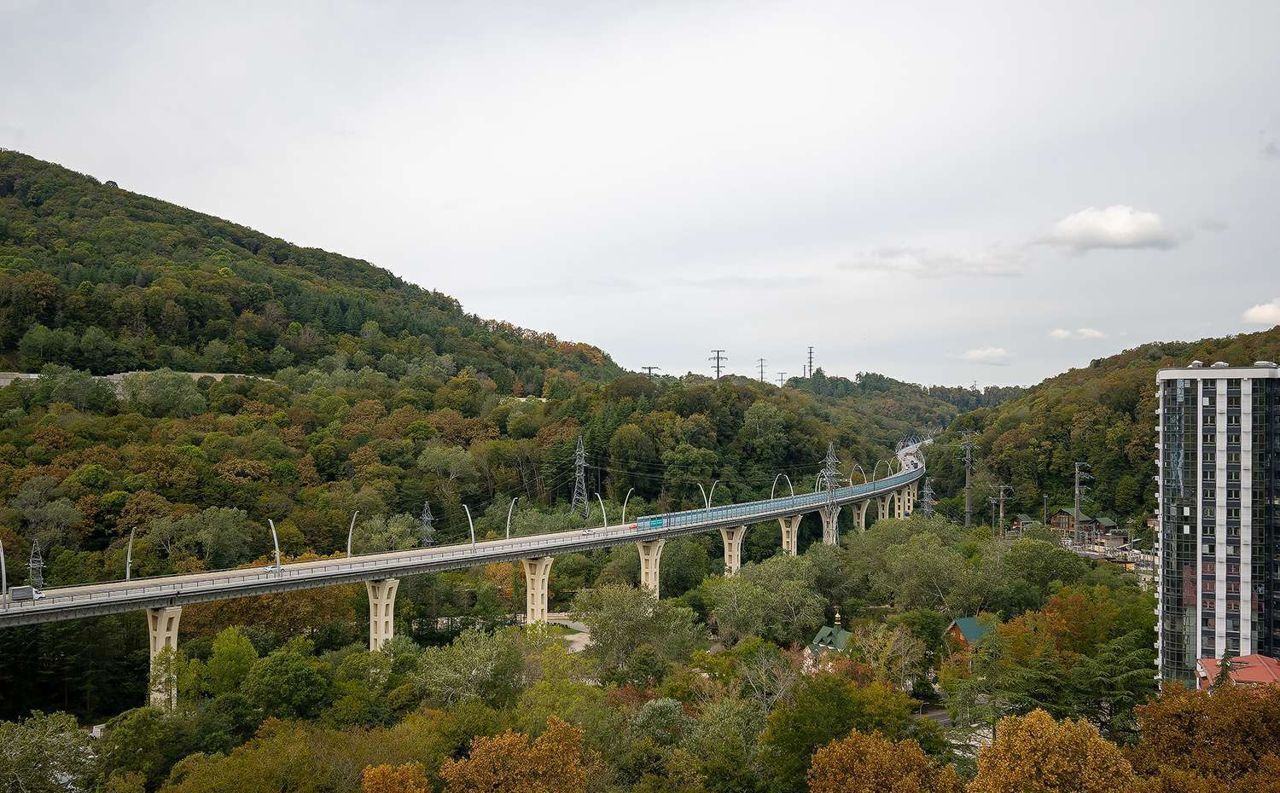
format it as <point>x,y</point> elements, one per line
<point>537,577</point>
<point>382,611</point>
<point>830,524</point>
<point>162,624</point>
<point>910,493</point>
<point>860,514</point>
<point>732,538</point>
<point>650,556</point>
<point>899,504</point>
<point>790,534</point>
<point>882,506</point>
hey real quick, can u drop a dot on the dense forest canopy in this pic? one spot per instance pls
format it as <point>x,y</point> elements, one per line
<point>1102,414</point>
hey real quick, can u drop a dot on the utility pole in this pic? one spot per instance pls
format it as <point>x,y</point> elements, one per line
<point>761,361</point>
<point>967,445</point>
<point>1044,519</point>
<point>810,360</point>
<point>719,357</point>
<point>580,480</point>
<point>782,379</point>
<point>649,370</point>
<point>1075,519</point>
<point>993,500</point>
<point>1003,488</point>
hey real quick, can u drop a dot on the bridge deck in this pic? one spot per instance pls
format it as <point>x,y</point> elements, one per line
<point>119,596</point>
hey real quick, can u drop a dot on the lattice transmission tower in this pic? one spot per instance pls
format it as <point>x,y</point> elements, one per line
<point>36,567</point>
<point>427,525</point>
<point>580,480</point>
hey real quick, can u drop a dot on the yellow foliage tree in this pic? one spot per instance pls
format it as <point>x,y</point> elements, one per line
<point>864,763</point>
<point>407,778</point>
<point>1035,754</point>
<point>550,764</point>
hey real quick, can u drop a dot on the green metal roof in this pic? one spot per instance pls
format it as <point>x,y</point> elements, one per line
<point>971,628</point>
<point>829,637</point>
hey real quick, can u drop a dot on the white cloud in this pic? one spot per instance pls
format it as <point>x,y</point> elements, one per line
<point>991,356</point>
<point>924,263</point>
<point>1078,333</point>
<point>1116,226</point>
<point>1264,313</point>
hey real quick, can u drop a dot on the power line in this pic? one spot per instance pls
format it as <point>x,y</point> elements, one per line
<point>719,357</point>
<point>761,361</point>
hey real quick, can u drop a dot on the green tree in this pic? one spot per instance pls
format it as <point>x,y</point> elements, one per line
<point>45,753</point>
<point>231,661</point>
<point>290,683</point>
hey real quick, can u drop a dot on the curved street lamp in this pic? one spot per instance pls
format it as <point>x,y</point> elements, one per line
<point>624,504</point>
<point>511,509</point>
<point>706,497</point>
<point>775,485</point>
<point>4,581</point>
<point>350,531</point>
<point>604,515</point>
<point>128,554</point>
<point>859,469</point>
<point>875,472</point>
<point>275,540</point>
<point>472,525</point>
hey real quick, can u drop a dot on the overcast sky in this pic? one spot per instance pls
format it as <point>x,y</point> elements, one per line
<point>945,193</point>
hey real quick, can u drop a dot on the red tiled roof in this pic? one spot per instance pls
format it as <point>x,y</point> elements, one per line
<point>1249,670</point>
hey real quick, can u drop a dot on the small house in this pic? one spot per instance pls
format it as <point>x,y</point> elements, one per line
<point>966,632</point>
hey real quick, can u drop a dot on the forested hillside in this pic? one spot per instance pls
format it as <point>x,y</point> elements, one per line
<point>96,277</point>
<point>1103,414</point>
<point>368,394</point>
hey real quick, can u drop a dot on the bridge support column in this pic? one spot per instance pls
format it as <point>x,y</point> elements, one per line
<point>900,503</point>
<point>910,492</point>
<point>162,624</point>
<point>830,524</point>
<point>537,577</point>
<point>732,538</point>
<point>790,534</point>
<point>860,514</point>
<point>882,506</point>
<point>382,611</point>
<point>650,556</point>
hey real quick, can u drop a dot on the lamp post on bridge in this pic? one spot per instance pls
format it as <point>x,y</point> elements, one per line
<point>624,504</point>
<point>4,580</point>
<point>128,555</point>
<point>351,530</point>
<point>603,514</point>
<point>275,540</point>
<point>511,509</point>
<point>471,525</point>
<point>706,497</point>
<point>775,485</point>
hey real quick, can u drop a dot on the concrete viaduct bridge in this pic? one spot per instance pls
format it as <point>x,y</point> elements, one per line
<point>164,596</point>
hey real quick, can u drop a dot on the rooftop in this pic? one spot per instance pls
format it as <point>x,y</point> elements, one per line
<point>1247,670</point>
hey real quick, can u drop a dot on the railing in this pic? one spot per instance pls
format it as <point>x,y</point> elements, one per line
<point>235,583</point>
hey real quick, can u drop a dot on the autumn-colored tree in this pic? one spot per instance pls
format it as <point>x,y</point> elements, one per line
<point>552,763</point>
<point>864,763</point>
<point>1220,736</point>
<point>407,778</point>
<point>1035,754</point>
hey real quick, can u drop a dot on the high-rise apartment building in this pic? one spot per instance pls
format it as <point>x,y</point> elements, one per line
<point>1218,536</point>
